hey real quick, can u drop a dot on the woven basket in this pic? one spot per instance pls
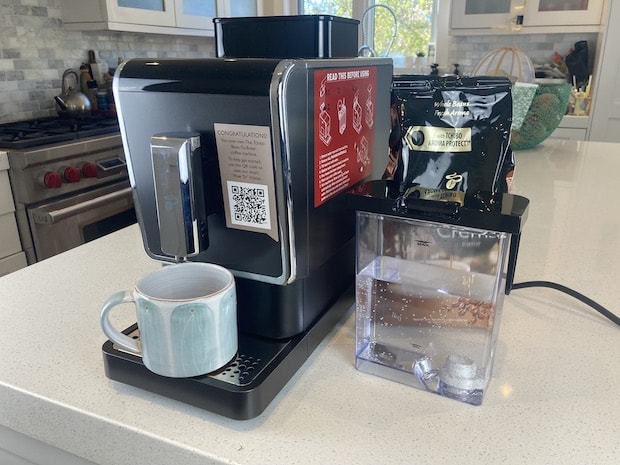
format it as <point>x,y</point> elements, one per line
<point>508,62</point>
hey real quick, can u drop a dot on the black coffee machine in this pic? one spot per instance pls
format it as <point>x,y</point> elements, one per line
<point>243,162</point>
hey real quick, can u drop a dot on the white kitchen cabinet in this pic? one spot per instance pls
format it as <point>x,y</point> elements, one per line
<point>175,17</point>
<point>195,14</point>
<point>9,236</point>
<point>12,263</point>
<point>534,16</point>
<point>18,449</point>
<point>182,17</point>
<point>152,12</point>
<point>605,113</point>
<point>467,14</point>
<point>562,13</point>
<point>572,128</point>
<point>11,256</point>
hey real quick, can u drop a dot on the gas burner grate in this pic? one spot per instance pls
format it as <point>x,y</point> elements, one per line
<point>43,131</point>
<point>25,138</point>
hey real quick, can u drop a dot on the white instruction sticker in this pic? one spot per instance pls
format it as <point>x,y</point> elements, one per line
<point>246,168</point>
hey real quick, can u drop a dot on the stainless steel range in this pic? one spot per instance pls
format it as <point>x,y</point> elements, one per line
<point>69,181</point>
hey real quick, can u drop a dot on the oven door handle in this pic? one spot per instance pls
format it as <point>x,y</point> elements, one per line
<point>56,216</point>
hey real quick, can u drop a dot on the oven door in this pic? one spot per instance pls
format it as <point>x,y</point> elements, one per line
<point>60,225</point>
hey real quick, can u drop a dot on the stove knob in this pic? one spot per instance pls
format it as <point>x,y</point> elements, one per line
<point>71,174</point>
<point>52,180</point>
<point>89,170</point>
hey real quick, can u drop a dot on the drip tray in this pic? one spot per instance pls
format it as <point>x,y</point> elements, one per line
<point>246,385</point>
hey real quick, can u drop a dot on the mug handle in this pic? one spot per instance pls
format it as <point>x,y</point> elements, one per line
<point>114,334</point>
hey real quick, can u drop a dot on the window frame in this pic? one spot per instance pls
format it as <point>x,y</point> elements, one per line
<point>439,34</point>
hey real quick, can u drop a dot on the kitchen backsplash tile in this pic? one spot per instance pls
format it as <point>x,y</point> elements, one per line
<point>467,51</point>
<point>35,49</point>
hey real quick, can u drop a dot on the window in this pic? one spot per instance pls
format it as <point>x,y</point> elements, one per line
<point>417,21</point>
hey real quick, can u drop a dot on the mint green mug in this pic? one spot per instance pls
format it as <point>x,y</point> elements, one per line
<point>187,319</point>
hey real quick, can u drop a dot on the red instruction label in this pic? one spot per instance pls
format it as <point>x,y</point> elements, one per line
<point>344,118</point>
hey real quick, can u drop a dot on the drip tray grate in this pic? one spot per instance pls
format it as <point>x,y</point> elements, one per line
<point>240,371</point>
<point>244,387</point>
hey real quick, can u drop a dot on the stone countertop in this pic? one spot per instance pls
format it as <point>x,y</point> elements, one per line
<point>553,397</point>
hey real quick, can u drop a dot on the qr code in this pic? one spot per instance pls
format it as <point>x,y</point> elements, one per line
<point>249,204</point>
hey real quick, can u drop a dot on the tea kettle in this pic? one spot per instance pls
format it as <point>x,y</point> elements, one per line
<point>72,103</point>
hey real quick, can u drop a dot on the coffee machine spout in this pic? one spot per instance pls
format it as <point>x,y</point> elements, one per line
<point>179,196</point>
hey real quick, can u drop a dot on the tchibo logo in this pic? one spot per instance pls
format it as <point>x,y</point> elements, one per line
<point>453,180</point>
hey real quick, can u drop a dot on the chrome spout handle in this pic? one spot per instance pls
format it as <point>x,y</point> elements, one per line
<point>179,194</point>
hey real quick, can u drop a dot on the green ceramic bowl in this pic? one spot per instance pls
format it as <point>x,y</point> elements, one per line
<point>543,117</point>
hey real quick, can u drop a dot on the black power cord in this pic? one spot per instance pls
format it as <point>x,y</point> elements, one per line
<point>559,287</point>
